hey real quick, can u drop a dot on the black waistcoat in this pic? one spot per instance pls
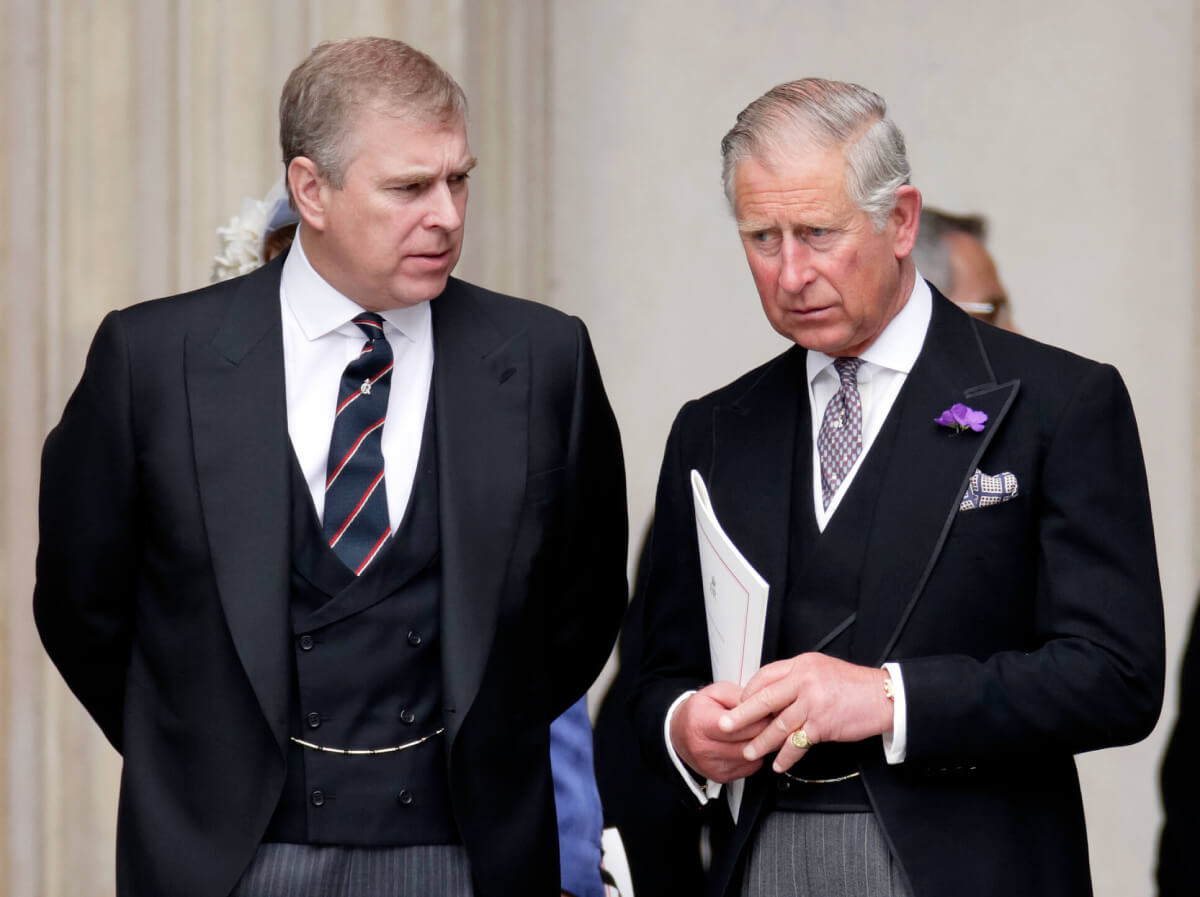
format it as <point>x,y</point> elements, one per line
<point>367,674</point>
<point>821,603</point>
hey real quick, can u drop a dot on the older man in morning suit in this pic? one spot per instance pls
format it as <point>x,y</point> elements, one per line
<point>325,548</point>
<point>954,524</point>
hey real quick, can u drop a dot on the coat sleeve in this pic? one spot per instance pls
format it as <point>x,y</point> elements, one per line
<point>593,594</point>
<point>671,599</point>
<point>1092,673</point>
<point>88,545</point>
<point>1180,780</point>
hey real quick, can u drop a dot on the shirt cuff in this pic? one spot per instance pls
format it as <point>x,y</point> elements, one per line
<point>688,778</point>
<point>895,743</point>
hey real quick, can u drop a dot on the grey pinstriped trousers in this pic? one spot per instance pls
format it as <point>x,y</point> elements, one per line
<point>821,855</point>
<point>308,870</point>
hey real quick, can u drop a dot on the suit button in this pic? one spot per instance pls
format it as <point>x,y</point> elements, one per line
<point>405,797</point>
<point>414,638</point>
<point>407,717</point>
<point>783,785</point>
<point>313,720</point>
<point>306,643</point>
<point>318,798</point>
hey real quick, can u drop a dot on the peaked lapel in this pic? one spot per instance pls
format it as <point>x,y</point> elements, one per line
<point>750,485</point>
<point>928,469</point>
<point>481,390</point>
<point>238,405</point>
<point>750,481</point>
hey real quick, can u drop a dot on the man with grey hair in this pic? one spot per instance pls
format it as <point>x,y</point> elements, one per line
<point>325,548</point>
<point>954,525</point>
<point>949,253</point>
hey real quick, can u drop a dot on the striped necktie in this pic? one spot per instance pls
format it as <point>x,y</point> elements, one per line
<point>356,509</point>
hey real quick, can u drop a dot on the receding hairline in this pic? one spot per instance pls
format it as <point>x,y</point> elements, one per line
<point>816,113</point>
<point>386,99</point>
<point>805,115</point>
<point>410,114</point>
<point>795,137</point>
<point>776,149</point>
<point>327,95</point>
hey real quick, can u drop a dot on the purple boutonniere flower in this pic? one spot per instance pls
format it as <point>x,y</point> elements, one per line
<point>959,417</point>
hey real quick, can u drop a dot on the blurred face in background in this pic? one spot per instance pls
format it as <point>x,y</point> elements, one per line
<point>977,288</point>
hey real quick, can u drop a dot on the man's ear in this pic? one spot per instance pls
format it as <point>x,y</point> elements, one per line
<point>308,191</point>
<point>905,217</point>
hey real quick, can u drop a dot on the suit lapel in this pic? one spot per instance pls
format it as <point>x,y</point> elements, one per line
<point>928,469</point>
<point>750,482</point>
<point>237,400</point>
<point>481,391</point>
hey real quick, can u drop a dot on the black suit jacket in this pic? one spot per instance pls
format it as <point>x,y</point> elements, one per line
<point>1180,780</point>
<point>1026,632</point>
<point>162,590</point>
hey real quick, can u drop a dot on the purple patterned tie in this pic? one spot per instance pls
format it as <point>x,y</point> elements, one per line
<point>356,510</point>
<point>840,440</point>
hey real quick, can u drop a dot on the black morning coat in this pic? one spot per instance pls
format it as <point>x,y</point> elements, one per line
<point>162,573</point>
<point>1026,632</point>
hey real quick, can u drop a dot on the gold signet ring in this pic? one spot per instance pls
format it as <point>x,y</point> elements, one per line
<point>800,740</point>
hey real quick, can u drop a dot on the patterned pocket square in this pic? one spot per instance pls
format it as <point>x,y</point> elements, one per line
<point>985,490</point>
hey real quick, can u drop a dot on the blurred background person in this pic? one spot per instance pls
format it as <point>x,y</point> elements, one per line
<point>950,254</point>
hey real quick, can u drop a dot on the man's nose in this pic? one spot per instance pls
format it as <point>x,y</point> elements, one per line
<point>795,265</point>
<point>445,209</point>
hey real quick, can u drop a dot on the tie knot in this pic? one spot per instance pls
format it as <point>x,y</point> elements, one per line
<point>370,324</point>
<point>847,370</point>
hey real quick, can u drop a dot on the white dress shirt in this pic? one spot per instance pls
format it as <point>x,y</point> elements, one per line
<point>319,340</point>
<point>887,362</point>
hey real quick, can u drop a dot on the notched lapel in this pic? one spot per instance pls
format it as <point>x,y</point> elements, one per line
<point>928,469</point>
<point>237,401</point>
<point>481,390</point>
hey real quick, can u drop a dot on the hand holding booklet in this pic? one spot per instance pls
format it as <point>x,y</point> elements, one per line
<point>735,606</point>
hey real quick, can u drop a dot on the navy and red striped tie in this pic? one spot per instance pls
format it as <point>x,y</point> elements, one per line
<point>356,509</point>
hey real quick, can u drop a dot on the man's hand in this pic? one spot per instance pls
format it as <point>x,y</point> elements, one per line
<point>714,752</point>
<point>830,699</point>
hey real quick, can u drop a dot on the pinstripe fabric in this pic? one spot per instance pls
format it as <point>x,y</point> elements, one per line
<point>356,510</point>
<point>821,855</point>
<point>307,870</point>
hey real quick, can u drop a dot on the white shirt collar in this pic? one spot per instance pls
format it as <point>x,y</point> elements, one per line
<point>320,309</point>
<point>898,346</point>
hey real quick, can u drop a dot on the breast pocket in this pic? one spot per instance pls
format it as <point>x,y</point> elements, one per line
<point>544,486</point>
<point>994,535</point>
